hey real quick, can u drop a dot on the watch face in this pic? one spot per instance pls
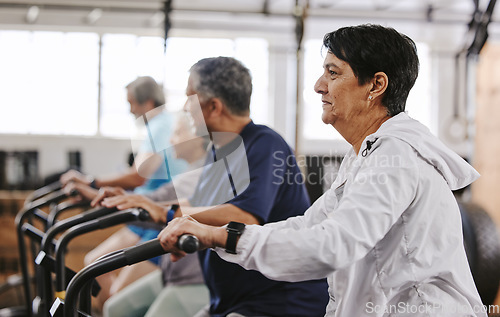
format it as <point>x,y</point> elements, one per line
<point>236,226</point>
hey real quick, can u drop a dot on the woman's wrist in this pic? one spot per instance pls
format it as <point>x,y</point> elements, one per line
<point>219,237</point>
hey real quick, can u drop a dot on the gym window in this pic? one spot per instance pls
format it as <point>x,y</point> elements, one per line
<point>54,87</point>
<point>49,82</point>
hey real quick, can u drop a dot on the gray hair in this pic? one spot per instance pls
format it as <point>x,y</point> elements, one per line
<point>225,78</point>
<point>146,88</point>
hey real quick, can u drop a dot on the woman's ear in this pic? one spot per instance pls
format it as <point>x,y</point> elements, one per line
<point>380,82</point>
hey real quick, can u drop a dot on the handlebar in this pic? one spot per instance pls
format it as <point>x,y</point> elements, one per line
<point>114,219</point>
<point>125,257</point>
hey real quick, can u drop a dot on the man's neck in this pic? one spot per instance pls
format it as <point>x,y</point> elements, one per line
<point>233,126</point>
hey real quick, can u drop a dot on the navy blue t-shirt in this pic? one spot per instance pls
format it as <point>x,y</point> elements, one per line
<point>275,192</point>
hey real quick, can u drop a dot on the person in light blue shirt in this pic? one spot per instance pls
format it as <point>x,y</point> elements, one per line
<point>157,140</point>
<point>154,165</point>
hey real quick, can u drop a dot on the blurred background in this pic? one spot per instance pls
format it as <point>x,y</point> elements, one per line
<point>64,65</point>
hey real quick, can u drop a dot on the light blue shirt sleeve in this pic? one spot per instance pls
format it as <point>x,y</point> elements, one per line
<point>157,140</point>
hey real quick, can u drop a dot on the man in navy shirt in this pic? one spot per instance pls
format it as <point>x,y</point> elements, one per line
<point>268,197</point>
<point>250,176</point>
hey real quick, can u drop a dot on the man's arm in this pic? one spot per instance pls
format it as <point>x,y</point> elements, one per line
<point>218,215</point>
<point>211,215</point>
<point>84,191</point>
<point>128,180</point>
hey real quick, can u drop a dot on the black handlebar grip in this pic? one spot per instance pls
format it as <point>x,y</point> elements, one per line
<point>152,248</point>
<point>143,215</point>
<point>143,251</point>
<point>188,243</point>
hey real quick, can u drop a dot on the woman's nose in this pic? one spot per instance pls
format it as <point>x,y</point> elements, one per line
<point>320,87</point>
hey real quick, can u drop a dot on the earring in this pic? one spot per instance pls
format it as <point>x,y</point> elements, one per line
<point>370,97</point>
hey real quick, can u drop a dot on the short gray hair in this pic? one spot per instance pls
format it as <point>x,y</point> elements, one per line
<point>225,78</point>
<point>146,88</point>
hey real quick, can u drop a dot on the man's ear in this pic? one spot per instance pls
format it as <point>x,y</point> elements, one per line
<point>149,105</point>
<point>380,83</point>
<point>215,106</point>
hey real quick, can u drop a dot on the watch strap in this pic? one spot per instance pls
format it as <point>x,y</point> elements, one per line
<point>234,230</point>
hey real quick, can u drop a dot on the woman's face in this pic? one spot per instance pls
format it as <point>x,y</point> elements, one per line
<point>344,100</point>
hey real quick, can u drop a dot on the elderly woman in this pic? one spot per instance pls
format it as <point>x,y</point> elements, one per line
<point>388,233</point>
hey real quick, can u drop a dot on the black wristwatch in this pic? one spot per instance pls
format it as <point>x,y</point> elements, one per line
<point>234,229</point>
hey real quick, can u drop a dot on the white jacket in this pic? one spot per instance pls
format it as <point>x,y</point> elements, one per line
<point>387,234</point>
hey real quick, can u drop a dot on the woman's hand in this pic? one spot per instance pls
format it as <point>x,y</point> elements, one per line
<point>157,212</point>
<point>208,236</point>
<point>106,191</point>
